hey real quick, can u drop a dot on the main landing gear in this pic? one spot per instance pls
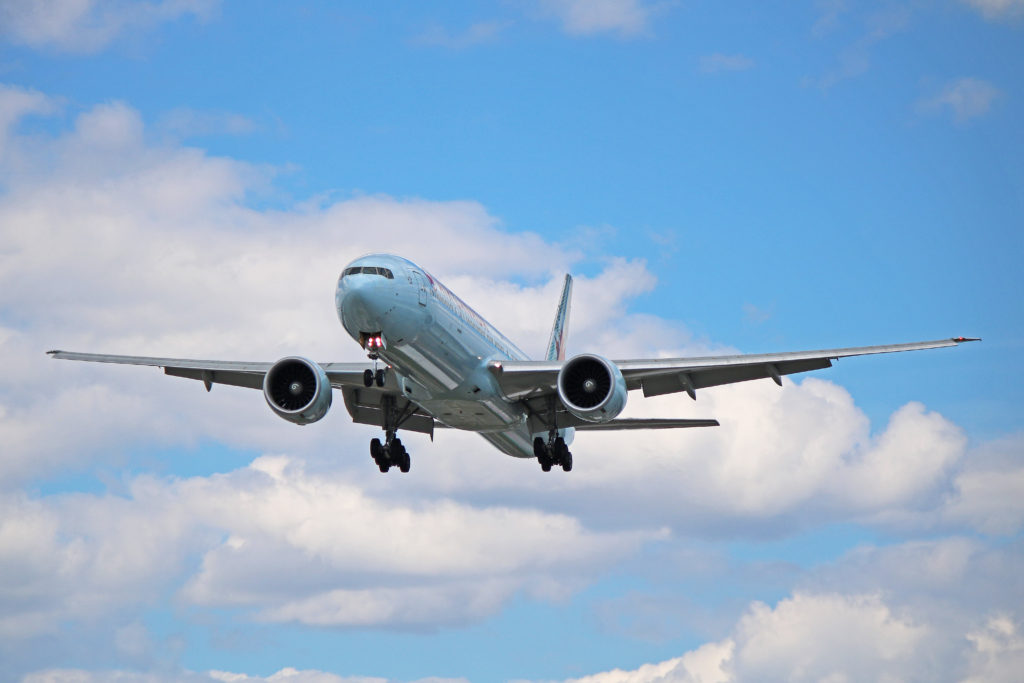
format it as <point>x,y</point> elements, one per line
<point>391,452</point>
<point>554,451</point>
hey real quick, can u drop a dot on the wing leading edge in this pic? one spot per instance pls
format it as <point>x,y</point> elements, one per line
<point>528,379</point>
<point>363,404</point>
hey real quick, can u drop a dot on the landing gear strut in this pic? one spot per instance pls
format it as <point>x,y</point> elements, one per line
<point>391,452</point>
<point>554,451</point>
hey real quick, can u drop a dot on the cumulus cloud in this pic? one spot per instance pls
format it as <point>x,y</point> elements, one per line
<point>286,675</point>
<point>997,654</point>
<point>16,104</point>
<point>588,17</point>
<point>942,610</point>
<point>803,638</point>
<point>89,25</point>
<point>964,98</point>
<point>285,545</point>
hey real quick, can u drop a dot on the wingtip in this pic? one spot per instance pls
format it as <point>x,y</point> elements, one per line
<point>54,352</point>
<point>961,340</point>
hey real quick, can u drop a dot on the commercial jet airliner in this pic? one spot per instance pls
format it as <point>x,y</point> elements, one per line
<point>437,363</point>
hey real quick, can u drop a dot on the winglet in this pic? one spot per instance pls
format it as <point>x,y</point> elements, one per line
<point>560,330</point>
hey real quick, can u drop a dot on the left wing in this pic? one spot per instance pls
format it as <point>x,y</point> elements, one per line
<point>363,404</point>
<point>530,379</point>
<point>233,372</point>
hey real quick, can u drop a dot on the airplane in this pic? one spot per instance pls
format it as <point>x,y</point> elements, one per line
<point>436,363</point>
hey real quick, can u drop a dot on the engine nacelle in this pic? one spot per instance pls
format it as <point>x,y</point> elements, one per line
<point>298,390</point>
<point>592,388</point>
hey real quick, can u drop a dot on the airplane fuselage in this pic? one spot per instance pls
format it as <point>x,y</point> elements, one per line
<point>437,348</point>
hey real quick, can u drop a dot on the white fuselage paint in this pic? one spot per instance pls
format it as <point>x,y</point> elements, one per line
<point>437,347</point>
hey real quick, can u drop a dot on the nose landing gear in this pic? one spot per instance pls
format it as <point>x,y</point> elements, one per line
<point>554,451</point>
<point>373,342</point>
<point>378,377</point>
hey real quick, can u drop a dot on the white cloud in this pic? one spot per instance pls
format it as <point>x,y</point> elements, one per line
<point>823,637</point>
<point>997,9</point>
<point>589,17</point>
<point>290,545</point>
<point>16,104</point>
<point>718,62</point>
<point>88,25</point>
<point>942,610</point>
<point>965,98</point>
<point>998,652</point>
<point>285,675</point>
<point>986,491</point>
<point>707,664</point>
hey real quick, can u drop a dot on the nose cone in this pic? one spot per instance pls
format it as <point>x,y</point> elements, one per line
<point>362,304</point>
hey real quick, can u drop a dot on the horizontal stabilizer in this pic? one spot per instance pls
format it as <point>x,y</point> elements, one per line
<point>635,423</point>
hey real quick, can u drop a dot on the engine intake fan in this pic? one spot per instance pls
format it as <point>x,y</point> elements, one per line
<point>298,390</point>
<point>592,388</point>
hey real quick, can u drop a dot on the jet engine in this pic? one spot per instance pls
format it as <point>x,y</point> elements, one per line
<point>298,390</point>
<point>592,388</point>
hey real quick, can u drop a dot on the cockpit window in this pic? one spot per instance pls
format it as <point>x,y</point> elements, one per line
<point>369,270</point>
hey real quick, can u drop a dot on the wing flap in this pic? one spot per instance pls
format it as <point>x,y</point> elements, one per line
<point>250,380</point>
<point>641,423</point>
<point>364,406</point>
<point>700,378</point>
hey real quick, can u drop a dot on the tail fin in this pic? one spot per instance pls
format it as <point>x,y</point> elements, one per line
<point>560,330</point>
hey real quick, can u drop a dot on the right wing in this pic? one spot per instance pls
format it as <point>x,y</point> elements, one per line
<point>535,382</point>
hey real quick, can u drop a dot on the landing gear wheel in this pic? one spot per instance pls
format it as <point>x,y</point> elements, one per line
<point>368,378</point>
<point>380,377</point>
<point>540,449</point>
<point>384,465</point>
<point>405,462</point>
<point>560,454</point>
<point>545,465</point>
<point>376,449</point>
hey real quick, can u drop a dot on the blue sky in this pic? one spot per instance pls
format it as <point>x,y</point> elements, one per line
<point>187,177</point>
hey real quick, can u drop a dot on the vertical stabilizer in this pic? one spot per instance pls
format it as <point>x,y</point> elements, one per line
<point>560,330</point>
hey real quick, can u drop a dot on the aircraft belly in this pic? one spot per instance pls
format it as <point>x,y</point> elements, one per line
<point>515,442</point>
<point>477,416</point>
